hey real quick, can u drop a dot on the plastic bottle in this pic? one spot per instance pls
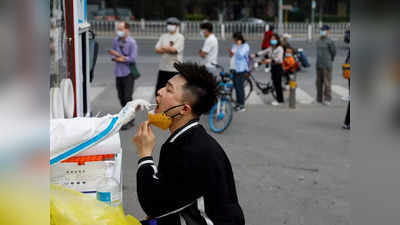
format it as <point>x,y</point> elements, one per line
<point>109,189</point>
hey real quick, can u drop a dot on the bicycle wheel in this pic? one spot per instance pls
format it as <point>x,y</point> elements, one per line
<point>220,116</point>
<point>273,93</point>
<point>248,88</point>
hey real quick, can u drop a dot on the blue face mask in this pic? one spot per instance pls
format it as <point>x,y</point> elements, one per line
<point>323,32</point>
<point>274,42</point>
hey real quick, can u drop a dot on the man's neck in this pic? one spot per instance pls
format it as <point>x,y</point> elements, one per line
<point>180,123</point>
<point>172,33</point>
<point>125,37</point>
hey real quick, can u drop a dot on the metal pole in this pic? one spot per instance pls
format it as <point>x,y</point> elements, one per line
<point>280,25</point>
<point>222,31</point>
<point>313,5</point>
<point>292,91</point>
<point>321,3</point>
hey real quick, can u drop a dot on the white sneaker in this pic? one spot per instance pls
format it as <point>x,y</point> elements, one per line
<point>275,103</point>
<point>327,103</point>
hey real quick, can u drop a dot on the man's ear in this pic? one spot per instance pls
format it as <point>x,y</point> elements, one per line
<point>187,109</point>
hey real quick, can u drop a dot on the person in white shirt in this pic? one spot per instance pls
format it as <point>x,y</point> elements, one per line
<point>170,46</point>
<point>209,51</point>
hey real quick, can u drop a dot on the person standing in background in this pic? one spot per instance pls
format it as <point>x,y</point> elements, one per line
<point>124,52</point>
<point>289,65</point>
<point>326,52</point>
<point>267,37</point>
<point>275,53</point>
<point>209,51</point>
<point>241,69</point>
<point>170,46</point>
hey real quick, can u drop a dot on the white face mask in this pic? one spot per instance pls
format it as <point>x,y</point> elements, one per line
<point>120,33</point>
<point>171,28</point>
<point>288,54</point>
<point>202,35</point>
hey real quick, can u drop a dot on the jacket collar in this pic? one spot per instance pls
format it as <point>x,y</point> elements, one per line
<point>182,130</point>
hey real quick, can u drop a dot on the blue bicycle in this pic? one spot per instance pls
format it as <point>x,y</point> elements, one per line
<point>222,112</point>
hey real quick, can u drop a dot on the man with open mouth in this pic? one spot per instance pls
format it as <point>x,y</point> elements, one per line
<point>193,182</point>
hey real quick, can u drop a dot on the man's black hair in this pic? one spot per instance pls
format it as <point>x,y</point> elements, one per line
<point>271,28</point>
<point>201,87</point>
<point>208,26</point>
<point>126,25</point>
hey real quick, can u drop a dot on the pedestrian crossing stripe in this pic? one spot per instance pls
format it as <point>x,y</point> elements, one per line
<point>95,92</point>
<point>302,97</point>
<point>256,98</point>
<point>341,91</point>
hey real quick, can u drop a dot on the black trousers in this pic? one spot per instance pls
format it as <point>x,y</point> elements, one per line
<point>162,79</point>
<point>125,89</point>
<point>238,81</point>
<point>276,76</point>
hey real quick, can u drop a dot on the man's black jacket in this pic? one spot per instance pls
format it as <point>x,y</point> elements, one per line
<point>193,183</point>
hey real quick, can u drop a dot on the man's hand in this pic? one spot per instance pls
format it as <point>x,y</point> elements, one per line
<point>120,59</point>
<point>145,140</point>
<point>230,52</point>
<point>113,53</point>
<point>170,50</point>
<point>166,50</point>
<point>267,61</point>
<point>160,50</point>
<point>203,53</point>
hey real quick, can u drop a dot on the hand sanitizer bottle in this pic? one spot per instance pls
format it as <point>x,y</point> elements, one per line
<point>109,189</point>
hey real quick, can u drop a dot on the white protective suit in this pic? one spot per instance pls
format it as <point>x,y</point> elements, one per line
<point>95,130</point>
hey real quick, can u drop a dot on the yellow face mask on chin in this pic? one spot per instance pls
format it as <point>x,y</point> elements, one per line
<point>162,120</point>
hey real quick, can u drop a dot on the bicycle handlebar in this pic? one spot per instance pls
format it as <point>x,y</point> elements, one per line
<point>218,66</point>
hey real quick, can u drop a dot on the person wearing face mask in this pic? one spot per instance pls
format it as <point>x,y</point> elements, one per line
<point>289,65</point>
<point>209,51</point>
<point>326,52</point>
<point>124,52</point>
<point>170,46</point>
<point>275,53</point>
<point>193,182</point>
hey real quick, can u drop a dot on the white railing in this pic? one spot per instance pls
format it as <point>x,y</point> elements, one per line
<point>191,30</point>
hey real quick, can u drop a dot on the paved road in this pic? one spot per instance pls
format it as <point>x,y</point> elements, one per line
<point>291,166</point>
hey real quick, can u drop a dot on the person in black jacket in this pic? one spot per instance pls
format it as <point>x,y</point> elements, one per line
<point>193,183</point>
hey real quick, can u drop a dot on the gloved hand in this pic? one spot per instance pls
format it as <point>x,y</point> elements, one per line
<point>128,112</point>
